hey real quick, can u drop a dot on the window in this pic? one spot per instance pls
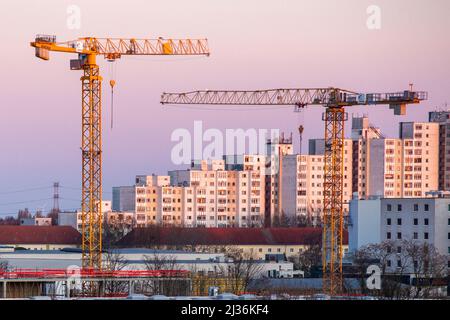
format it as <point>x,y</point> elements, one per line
<point>449,207</point>
<point>416,235</point>
<point>416,221</point>
<point>427,207</point>
<point>389,221</point>
<point>399,207</point>
<point>399,235</point>
<point>416,207</point>
<point>399,221</point>
<point>399,263</point>
<point>388,235</point>
<point>426,221</point>
<point>389,263</point>
<point>389,207</point>
<point>425,235</point>
<point>399,249</point>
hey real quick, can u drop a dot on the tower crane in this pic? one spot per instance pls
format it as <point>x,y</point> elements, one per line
<point>334,100</point>
<point>111,49</point>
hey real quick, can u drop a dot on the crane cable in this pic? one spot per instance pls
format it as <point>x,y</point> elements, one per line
<point>112,83</point>
<point>301,126</point>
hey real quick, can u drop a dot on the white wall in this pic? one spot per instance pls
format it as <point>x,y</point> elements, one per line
<point>365,220</point>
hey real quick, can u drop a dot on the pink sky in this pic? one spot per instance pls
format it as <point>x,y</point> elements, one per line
<point>254,45</point>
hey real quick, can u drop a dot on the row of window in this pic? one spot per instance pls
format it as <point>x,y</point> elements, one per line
<point>415,235</point>
<point>426,221</point>
<point>426,207</point>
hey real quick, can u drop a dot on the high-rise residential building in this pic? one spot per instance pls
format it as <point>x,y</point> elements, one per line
<point>388,167</point>
<point>420,158</point>
<point>443,119</point>
<point>385,169</point>
<point>302,184</point>
<point>277,149</point>
<point>317,147</point>
<point>363,132</point>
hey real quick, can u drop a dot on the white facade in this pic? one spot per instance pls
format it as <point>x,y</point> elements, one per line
<point>422,220</point>
<point>364,223</point>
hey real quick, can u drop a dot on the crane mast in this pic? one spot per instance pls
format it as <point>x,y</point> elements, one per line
<point>87,50</point>
<point>334,100</point>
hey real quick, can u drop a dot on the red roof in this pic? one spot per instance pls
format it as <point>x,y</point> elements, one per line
<point>39,235</point>
<point>142,237</point>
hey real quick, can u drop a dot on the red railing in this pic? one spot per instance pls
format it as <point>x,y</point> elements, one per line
<point>90,273</point>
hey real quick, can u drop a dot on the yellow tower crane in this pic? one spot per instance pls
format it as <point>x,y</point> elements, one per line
<point>334,100</point>
<point>91,128</point>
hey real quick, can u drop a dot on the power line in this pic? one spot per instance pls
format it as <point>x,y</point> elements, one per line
<point>79,189</point>
<point>25,190</point>
<point>22,202</point>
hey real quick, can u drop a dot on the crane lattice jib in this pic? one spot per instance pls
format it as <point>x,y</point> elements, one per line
<point>302,97</point>
<point>114,48</point>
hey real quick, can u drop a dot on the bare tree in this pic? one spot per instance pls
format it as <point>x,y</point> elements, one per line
<point>428,265</point>
<point>243,268</point>
<point>4,265</point>
<point>308,259</point>
<point>172,286</point>
<point>115,261</point>
<point>398,260</point>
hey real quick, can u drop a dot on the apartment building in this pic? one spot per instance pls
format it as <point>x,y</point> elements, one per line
<point>215,197</point>
<point>303,186</point>
<point>420,158</point>
<point>363,132</point>
<point>317,147</point>
<point>276,149</point>
<point>443,119</point>
<point>385,168</point>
